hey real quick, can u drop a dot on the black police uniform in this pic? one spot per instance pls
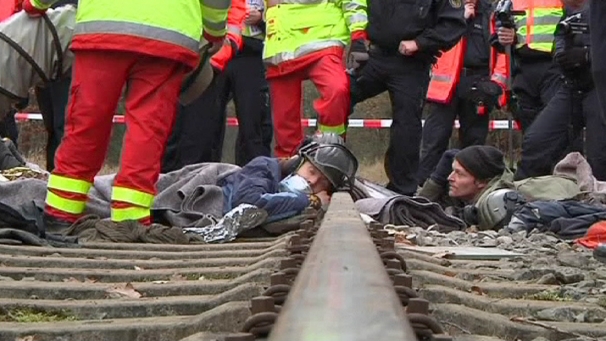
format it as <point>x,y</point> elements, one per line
<point>574,107</point>
<point>441,117</point>
<point>199,129</point>
<point>435,25</point>
<point>52,100</point>
<point>536,79</point>
<point>598,50</point>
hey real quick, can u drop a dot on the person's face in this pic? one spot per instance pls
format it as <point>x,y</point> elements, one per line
<point>317,181</point>
<point>463,185</point>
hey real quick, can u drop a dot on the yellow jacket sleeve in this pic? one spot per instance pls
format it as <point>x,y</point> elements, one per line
<point>355,15</point>
<point>214,19</point>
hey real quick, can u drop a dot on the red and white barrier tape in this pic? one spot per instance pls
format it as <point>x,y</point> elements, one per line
<point>305,122</point>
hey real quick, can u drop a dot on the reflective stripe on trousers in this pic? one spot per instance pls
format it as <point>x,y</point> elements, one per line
<point>139,204</point>
<point>71,188</point>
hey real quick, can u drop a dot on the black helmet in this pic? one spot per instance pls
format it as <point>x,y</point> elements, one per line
<point>334,160</point>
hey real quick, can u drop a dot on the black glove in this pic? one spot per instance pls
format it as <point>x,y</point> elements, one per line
<point>358,54</point>
<point>572,58</point>
<point>444,167</point>
<point>486,92</point>
<point>359,46</point>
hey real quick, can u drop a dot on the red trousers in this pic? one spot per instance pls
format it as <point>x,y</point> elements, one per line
<point>152,89</point>
<point>328,75</point>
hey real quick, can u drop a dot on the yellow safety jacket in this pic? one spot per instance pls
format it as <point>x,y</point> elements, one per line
<point>163,28</point>
<point>537,27</point>
<point>299,27</point>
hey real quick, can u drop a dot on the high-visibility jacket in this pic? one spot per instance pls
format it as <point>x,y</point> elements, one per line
<point>235,23</point>
<point>299,27</point>
<point>162,28</point>
<point>8,8</point>
<point>446,73</point>
<point>537,27</point>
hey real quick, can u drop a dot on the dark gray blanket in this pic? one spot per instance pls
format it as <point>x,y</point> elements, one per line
<point>411,211</point>
<point>187,197</point>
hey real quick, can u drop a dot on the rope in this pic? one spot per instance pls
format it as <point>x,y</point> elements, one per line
<point>91,228</point>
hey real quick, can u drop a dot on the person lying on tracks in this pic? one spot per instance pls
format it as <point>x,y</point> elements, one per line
<point>285,187</point>
<point>196,198</point>
<point>475,185</point>
<point>468,182</point>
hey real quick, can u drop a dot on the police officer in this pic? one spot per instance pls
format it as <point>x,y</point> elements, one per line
<point>574,107</point>
<point>598,49</point>
<point>536,77</point>
<point>405,39</point>
<point>243,76</point>
<point>465,82</point>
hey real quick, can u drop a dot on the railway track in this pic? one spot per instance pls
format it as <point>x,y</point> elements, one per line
<point>335,279</point>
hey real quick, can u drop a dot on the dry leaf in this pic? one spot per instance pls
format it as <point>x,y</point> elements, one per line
<point>71,279</point>
<point>138,268</point>
<point>120,291</point>
<point>450,274</point>
<point>401,238</point>
<point>477,290</point>
<point>90,280</point>
<point>177,278</point>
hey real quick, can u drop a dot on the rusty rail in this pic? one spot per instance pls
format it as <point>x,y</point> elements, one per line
<point>342,291</point>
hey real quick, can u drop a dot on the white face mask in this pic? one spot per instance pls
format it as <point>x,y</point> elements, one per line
<point>295,184</point>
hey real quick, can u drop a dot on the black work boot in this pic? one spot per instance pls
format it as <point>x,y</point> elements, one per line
<point>600,253</point>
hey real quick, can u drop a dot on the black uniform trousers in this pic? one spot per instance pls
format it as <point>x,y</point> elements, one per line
<point>199,129</point>
<point>440,121</point>
<point>534,84</point>
<point>52,101</point>
<point>557,127</point>
<point>244,79</point>
<point>406,79</point>
<point>597,30</point>
<point>192,139</point>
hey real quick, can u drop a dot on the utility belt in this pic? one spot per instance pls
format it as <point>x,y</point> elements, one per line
<point>475,71</point>
<point>419,56</point>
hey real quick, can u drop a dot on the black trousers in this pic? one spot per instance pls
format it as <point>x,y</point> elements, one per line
<point>199,129</point>
<point>244,79</point>
<point>52,100</point>
<point>597,15</point>
<point>439,124</point>
<point>406,80</point>
<point>534,84</point>
<point>557,127</point>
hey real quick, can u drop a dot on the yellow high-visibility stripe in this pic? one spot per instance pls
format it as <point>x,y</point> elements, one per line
<point>130,213</point>
<point>340,129</point>
<point>65,205</point>
<point>66,184</point>
<point>132,196</point>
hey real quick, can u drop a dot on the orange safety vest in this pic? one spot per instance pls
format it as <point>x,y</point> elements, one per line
<point>446,73</point>
<point>9,7</point>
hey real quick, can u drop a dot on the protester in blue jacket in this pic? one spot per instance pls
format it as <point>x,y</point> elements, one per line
<point>284,188</point>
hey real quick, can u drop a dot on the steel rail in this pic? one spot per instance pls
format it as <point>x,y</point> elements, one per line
<point>342,292</point>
